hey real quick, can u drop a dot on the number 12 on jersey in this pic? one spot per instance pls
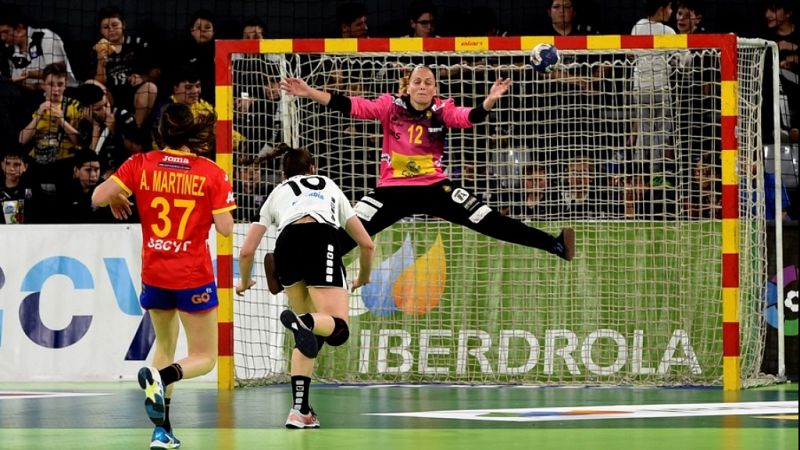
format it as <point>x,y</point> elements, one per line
<point>415,134</point>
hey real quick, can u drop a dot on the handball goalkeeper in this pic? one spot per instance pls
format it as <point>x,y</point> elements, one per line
<point>412,180</point>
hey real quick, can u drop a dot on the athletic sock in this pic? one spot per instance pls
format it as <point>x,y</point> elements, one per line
<point>167,426</point>
<point>300,386</point>
<point>171,374</point>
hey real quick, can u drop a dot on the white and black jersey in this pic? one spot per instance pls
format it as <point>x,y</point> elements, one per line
<point>316,196</point>
<point>308,252</point>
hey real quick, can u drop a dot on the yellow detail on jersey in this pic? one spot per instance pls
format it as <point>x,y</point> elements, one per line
<point>415,134</point>
<point>162,205</point>
<point>405,166</point>
<point>143,182</point>
<point>178,183</point>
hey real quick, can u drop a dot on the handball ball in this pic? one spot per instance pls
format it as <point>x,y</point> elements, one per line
<point>544,57</point>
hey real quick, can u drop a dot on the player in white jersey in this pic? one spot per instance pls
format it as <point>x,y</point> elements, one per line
<point>308,210</point>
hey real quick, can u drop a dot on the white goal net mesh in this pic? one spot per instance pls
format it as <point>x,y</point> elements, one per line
<point>622,145</point>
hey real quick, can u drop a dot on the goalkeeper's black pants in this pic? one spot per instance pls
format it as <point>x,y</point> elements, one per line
<point>384,206</point>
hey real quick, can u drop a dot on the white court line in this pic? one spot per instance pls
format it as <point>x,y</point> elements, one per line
<point>24,395</point>
<point>607,412</point>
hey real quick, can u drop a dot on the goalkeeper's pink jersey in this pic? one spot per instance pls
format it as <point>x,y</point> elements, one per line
<point>413,141</point>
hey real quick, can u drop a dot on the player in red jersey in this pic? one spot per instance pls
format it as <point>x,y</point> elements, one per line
<point>178,195</point>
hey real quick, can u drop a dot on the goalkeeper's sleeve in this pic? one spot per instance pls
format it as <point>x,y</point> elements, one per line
<point>340,103</point>
<point>478,114</point>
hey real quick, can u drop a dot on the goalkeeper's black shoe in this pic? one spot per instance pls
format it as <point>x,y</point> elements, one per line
<point>565,244</point>
<point>304,339</point>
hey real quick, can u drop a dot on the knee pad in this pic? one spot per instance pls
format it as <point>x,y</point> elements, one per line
<point>307,319</point>
<point>367,207</point>
<point>320,341</point>
<point>340,334</point>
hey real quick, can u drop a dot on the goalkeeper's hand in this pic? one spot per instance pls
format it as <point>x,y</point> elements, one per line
<point>296,87</point>
<point>499,88</point>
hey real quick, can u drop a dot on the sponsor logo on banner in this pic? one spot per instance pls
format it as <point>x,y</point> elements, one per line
<point>397,351</point>
<point>406,283</point>
<point>69,309</point>
<point>790,301</point>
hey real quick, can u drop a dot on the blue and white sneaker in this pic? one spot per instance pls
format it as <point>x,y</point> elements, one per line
<point>163,439</point>
<point>154,404</point>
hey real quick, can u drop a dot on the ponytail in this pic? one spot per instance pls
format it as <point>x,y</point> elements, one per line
<point>295,161</point>
<point>178,127</point>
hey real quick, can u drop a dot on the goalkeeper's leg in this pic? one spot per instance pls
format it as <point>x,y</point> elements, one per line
<point>380,209</point>
<point>455,204</point>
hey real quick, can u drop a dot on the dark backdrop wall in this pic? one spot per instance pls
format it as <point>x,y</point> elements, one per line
<point>75,20</point>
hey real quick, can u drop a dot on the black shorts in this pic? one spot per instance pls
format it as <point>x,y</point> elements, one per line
<point>309,252</point>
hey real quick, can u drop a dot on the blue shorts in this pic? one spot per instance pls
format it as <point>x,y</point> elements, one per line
<point>197,299</point>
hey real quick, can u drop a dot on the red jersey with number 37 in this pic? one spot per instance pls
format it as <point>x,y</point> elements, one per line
<point>177,194</point>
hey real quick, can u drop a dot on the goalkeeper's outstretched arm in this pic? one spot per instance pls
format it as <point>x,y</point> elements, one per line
<point>299,88</point>
<point>499,88</point>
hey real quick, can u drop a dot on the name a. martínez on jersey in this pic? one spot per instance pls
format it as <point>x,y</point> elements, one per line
<point>172,182</point>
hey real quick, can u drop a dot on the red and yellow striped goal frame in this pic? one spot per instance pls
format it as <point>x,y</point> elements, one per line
<point>726,43</point>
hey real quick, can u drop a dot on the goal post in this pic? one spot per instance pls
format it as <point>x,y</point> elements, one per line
<point>663,185</point>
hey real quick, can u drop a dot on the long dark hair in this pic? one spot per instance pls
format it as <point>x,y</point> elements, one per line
<point>177,127</point>
<point>295,161</point>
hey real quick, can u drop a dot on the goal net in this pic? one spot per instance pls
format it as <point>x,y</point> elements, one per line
<point>648,146</point>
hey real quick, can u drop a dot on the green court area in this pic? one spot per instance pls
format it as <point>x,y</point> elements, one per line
<point>361,417</point>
